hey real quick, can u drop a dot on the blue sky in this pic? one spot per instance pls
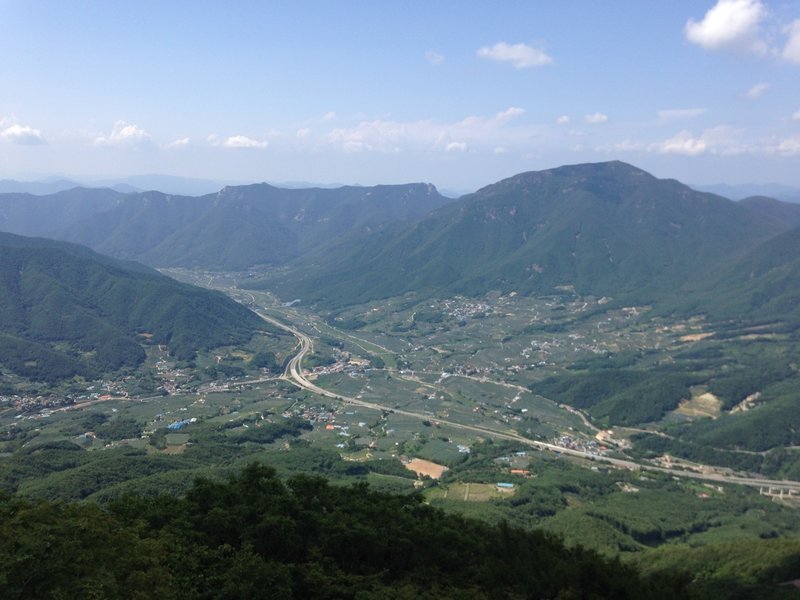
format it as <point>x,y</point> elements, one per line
<point>459,94</point>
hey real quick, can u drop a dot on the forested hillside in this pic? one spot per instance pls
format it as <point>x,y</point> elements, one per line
<point>256,537</point>
<point>65,310</point>
<point>606,229</point>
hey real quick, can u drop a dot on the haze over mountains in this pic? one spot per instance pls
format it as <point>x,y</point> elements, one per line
<point>234,228</point>
<point>603,229</point>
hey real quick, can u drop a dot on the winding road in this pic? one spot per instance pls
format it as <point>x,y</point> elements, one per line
<point>294,374</point>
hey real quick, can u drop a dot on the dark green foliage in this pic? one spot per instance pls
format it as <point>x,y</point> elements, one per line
<point>90,475</point>
<point>265,360</point>
<point>266,433</point>
<point>429,316</point>
<point>40,362</point>
<point>58,550</point>
<point>121,428</point>
<point>619,396</point>
<point>728,570</point>
<point>255,537</point>
<point>648,446</point>
<point>734,386</point>
<point>96,308</point>
<point>390,467</point>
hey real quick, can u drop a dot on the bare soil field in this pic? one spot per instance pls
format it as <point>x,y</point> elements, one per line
<point>702,405</point>
<point>426,467</point>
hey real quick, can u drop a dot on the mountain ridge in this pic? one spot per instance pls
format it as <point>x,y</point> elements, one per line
<point>603,229</point>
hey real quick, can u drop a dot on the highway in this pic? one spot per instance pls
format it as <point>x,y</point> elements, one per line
<point>294,374</point>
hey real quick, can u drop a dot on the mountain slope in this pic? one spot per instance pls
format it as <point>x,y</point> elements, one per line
<point>605,229</point>
<point>765,283</point>
<point>27,214</point>
<point>241,226</point>
<point>76,310</point>
<point>781,213</point>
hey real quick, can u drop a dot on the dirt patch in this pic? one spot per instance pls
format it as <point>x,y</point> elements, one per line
<point>695,337</point>
<point>703,405</point>
<point>426,467</point>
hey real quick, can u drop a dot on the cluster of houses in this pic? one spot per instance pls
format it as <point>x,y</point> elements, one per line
<point>588,446</point>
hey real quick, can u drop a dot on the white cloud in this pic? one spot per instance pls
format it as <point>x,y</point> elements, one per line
<point>730,24</point>
<point>682,143</point>
<point>790,146</point>
<point>242,141</point>
<point>500,150</point>
<point>329,116</point>
<point>796,116</point>
<point>391,136</point>
<point>303,133</point>
<point>562,120</point>
<point>25,135</point>
<point>595,118</point>
<point>434,57</point>
<point>456,147</point>
<point>720,140</point>
<point>521,56</point>
<point>756,91</point>
<point>180,143</point>
<point>124,135</point>
<point>508,114</point>
<point>791,51</point>
<point>672,114</point>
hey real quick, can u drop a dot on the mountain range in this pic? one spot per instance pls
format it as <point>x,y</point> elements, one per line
<point>604,229</point>
<point>235,228</point>
<point>607,229</point>
<point>784,193</point>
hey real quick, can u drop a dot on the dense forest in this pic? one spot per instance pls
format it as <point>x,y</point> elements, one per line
<point>66,311</point>
<point>256,536</point>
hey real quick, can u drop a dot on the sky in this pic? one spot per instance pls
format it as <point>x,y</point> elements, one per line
<point>459,94</point>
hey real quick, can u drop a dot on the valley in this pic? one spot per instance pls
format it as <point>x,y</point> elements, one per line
<point>452,381</point>
<point>629,420</point>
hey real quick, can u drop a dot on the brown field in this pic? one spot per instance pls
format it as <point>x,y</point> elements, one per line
<point>702,405</point>
<point>426,467</point>
<point>695,337</point>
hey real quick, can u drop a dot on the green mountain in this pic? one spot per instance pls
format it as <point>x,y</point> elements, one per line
<point>65,310</point>
<point>242,226</point>
<point>44,215</point>
<point>607,229</point>
<point>779,212</point>
<point>764,283</point>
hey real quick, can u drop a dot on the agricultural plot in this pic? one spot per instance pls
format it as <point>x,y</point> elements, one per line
<point>469,492</point>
